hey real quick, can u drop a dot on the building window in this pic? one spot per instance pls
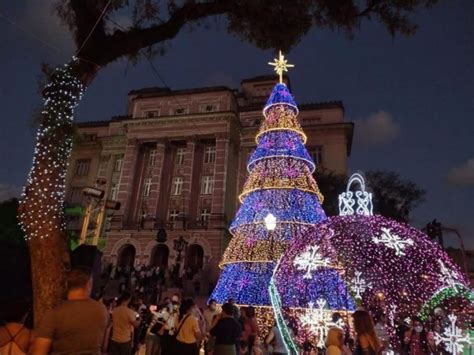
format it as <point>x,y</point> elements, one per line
<point>205,214</point>
<point>82,167</point>
<point>316,154</point>
<point>118,162</point>
<point>177,187</point>
<point>180,152</point>
<point>209,108</point>
<point>207,185</point>
<point>75,195</point>
<point>173,215</point>
<point>114,192</point>
<point>209,155</point>
<point>180,111</point>
<point>147,187</point>
<point>151,113</point>
<point>152,157</point>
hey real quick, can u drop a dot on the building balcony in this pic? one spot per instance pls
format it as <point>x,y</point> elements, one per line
<point>216,221</point>
<point>198,225</point>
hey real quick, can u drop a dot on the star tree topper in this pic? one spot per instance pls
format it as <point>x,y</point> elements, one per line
<point>281,65</point>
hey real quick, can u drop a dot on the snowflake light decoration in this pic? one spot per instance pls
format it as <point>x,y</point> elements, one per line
<point>318,321</point>
<point>310,260</point>
<point>453,337</point>
<point>359,285</point>
<point>392,241</point>
<point>450,278</point>
<point>392,314</point>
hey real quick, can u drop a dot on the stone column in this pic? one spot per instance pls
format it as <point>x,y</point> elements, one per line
<point>220,173</point>
<point>127,177</point>
<point>187,173</point>
<point>156,173</point>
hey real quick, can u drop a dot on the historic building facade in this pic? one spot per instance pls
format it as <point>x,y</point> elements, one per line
<point>177,162</point>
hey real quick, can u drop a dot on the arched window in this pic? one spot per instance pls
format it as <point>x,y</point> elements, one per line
<point>127,256</point>
<point>159,256</point>
<point>194,258</point>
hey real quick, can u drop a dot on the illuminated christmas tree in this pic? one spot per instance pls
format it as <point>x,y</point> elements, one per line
<point>280,200</point>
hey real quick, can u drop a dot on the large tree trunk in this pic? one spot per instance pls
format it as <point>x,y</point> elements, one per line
<point>41,207</point>
<point>49,263</point>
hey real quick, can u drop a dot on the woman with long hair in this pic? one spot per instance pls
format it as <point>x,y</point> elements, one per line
<point>15,337</point>
<point>249,328</point>
<point>367,341</point>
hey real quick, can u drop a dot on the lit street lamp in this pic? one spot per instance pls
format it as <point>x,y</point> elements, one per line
<point>270,223</point>
<point>179,245</point>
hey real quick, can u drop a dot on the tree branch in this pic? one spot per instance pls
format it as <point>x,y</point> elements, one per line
<point>86,13</point>
<point>369,9</point>
<point>122,43</point>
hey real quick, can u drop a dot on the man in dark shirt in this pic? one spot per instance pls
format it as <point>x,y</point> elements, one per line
<point>226,330</point>
<point>78,325</point>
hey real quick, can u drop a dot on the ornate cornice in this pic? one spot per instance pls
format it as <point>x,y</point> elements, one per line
<point>160,121</point>
<point>113,141</point>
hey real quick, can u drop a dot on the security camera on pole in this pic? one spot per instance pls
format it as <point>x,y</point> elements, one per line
<point>97,204</point>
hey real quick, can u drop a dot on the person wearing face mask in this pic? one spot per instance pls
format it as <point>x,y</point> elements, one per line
<point>209,313</point>
<point>170,313</point>
<point>417,340</point>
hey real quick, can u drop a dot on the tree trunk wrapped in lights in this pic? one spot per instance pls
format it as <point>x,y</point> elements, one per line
<point>41,207</point>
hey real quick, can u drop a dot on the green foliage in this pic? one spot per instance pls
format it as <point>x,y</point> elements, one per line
<point>393,196</point>
<point>127,27</point>
<point>10,231</point>
<point>331,185</point>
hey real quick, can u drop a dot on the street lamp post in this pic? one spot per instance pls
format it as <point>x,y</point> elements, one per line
<point>179,245</point>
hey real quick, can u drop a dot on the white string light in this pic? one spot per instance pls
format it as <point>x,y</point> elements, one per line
<point>42,201</point>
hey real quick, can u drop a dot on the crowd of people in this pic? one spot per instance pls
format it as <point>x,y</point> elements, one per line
<point>153,281</point>
<point>132,324</point>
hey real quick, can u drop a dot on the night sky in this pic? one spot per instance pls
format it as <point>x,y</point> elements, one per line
<point>412,99</point>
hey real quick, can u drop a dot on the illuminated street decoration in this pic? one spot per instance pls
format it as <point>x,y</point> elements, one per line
<point>453,337</point>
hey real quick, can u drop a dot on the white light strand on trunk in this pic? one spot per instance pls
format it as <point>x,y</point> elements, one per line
<point>42,202</point>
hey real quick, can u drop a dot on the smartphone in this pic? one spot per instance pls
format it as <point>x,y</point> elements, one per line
<point>153,307</point>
